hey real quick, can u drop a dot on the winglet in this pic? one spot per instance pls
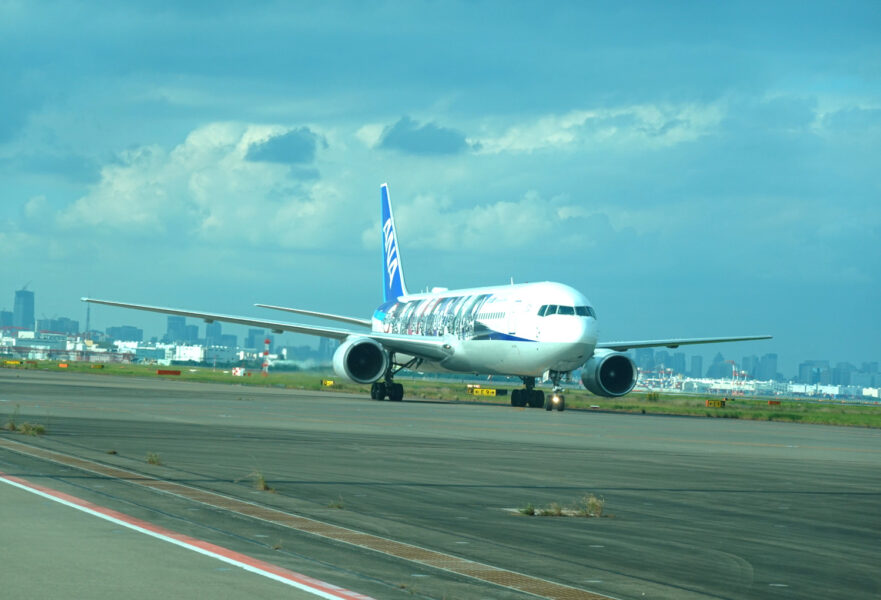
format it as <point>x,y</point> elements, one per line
<point>392,271</point>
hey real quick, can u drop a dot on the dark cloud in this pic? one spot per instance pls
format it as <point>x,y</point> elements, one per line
<point>428,139</point>
<point>71,167</point>
<point>17,102</point>
<point>763,117</point>
<point>857,120</point>
<point>296,147</point>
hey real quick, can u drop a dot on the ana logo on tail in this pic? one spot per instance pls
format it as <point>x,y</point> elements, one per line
<point>391,249</point>
<point>393,278</point>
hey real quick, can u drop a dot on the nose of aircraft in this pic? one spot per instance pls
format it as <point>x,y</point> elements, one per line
<point>580,330</point>
<point>588,332</point>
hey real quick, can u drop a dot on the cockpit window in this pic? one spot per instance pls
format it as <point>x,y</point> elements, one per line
<point>554,309</point>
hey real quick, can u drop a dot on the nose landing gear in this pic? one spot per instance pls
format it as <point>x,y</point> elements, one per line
<point>556,400</point>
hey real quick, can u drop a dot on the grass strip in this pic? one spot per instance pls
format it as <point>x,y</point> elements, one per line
<point>829,412</point>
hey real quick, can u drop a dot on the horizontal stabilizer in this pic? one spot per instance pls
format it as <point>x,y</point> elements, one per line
<point>320,315</point>
<point>676,342</point>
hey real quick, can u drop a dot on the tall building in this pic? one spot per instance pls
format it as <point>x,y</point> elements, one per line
<point>23,311</point>
<point>645,358</point>
<point>6,318</point>
<point>697,366</point>
<point>814,371</point>
<point>841,374</point>
<point>191,334</point>
<point>677,363</point>
<point>767,370</point>
<point>326,348</point>
<point>750,365</point>
<point>59,325</point>
<point>213,334</point>
<point>176,330</point>
<point>662,359</point>
<point>256,339</point>
<point>719,369</point>
<point>66,325</point>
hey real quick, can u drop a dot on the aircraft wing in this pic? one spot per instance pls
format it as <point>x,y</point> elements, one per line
<point>275,326</point>
<point>321,315</point>
<point>675,342</point>
<point>432,349</point>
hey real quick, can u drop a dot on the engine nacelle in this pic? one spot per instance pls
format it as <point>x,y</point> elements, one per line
<point>609,374</point>
<point>360,359</point>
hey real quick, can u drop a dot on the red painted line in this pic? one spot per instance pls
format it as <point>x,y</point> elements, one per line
<point>298,580</point>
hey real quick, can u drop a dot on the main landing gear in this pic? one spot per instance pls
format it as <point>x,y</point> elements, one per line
<point>530,396</point>
<point>380,390</point>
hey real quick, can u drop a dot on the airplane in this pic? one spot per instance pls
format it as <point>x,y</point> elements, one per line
<point>528,330</point>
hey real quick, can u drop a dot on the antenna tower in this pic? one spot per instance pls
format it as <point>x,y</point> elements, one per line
<point>265,372</point>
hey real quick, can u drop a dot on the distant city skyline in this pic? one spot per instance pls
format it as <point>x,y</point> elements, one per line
<point>683,360</point>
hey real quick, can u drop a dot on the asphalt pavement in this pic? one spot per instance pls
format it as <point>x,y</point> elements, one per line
<point>694,508</point>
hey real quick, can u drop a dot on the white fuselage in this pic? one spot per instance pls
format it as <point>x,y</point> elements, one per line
<point>523,329</point>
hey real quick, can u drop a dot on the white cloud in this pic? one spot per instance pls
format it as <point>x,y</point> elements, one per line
<point>19,245</point>
<point>205,187</point>
<point>370,134</point>
<point>532,222</point>
<point>652,126</point>
<point>36,208</point>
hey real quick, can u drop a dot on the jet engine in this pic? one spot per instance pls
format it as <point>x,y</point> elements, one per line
<point>609,374</point>
<point>360,359</point>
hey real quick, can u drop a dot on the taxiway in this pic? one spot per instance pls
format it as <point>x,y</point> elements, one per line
<point>695,508</point>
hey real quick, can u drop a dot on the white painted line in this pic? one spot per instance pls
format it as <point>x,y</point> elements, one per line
<point>302,582</point>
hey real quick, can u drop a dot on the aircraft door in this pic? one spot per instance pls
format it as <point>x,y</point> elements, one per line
<point>512,317</point>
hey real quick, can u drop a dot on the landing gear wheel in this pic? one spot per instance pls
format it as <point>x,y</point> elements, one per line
<point>395,392</point>
<point>377,390</point>
<point>555,401</point>
<point>536,399</point>
<point>517,398</point>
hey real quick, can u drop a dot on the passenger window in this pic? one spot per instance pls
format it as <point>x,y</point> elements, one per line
<point>566,310</point>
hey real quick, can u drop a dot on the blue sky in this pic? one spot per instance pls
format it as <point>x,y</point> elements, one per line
<point>696,169</point>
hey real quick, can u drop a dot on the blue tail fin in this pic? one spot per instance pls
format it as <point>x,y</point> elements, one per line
<point>392,273</point>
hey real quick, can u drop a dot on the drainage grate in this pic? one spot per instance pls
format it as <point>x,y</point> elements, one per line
<point>423,556</point>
